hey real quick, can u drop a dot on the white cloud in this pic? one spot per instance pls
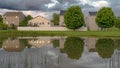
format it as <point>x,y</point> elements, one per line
<point>99,4</point>
<point>52,4</point>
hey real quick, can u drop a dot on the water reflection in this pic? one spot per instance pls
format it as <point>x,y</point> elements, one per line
<point>13,45</point>
<point>73,47</point>
<point>105,47</point>
<point>59,52</point>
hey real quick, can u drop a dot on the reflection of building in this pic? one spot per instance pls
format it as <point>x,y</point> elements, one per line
<point>61,22</point>
<point>13,18</point>
<point>40,21</point>
<point>13,45</point>
<point>62,42</point>
<point>90,21</point>
<point>91,42</point>
<point>40,42</point>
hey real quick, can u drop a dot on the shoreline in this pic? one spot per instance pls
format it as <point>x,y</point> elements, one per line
<point>60,33</point>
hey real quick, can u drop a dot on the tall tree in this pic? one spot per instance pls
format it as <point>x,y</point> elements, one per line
<point>74,18</point>
<point>25,21</point>
<point>117,23</point>
<point>105,18</point>
<point>1,19</point>
<point>55,19</point>
<point>2,25</point>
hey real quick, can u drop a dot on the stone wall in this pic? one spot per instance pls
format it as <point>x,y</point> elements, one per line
<point>49,28</point>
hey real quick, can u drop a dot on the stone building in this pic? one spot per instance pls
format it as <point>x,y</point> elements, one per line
<point>61,20</point>
<point>13,18</point>
<point>40,21</point>
<point>90,21</point>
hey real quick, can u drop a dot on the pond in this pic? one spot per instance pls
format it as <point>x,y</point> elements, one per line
<point>59,52</point>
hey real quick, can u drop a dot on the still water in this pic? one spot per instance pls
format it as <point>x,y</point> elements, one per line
<point>59,52</point>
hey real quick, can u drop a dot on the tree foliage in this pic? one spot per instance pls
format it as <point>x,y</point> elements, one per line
<point>105,18</point>
<point>55,19</point>
<point>25,21</point>
<point>73,47</point>
<point>1,19</point>
<point>105,47</point>
<point>74,18</point>
<point>2,25</point>
<point>117,23</point>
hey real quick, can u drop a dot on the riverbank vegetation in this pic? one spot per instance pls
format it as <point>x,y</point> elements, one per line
<point>12,33</point>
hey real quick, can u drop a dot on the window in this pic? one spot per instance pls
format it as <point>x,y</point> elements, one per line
<point>42,22</point>
<point>48,23</point>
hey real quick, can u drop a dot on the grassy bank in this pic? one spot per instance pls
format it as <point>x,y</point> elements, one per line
<point>12,33</point>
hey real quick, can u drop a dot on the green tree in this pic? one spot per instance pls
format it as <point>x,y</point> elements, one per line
<point>73,47</point>
<point>74,18</point>
<point>105,47</point>
<point>55,19</point>
<point>1,19</point>
<point>105,18</point>
<point>2,25</point>
<point>25,21</point>
<point>117,23</point>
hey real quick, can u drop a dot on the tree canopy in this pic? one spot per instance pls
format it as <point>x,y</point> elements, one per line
<point>74,18</point>
<point>117,23</point>
<point>105,18</point>
<point>25,21</point>
<point>105,47</point>
<point>55,19</point>
<point>73,47</point>
<point>1,19</point>
<point>2,25</point>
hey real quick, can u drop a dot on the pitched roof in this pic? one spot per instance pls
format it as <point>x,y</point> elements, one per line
<point>62,12</point>
<point>13,13</point>
<point>93,13</point>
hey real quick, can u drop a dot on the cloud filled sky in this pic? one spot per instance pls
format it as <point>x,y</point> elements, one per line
<point>43,7</point>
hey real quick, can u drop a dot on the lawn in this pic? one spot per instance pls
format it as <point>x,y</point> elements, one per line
<point>12,33</point>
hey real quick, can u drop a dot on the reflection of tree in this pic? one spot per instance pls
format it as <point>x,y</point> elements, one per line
<point>117,44</point>
<point>56,43</point>
<point>105,47</point>
<point>25,42</point>
<point>73,47</point>
<point>1,40</point>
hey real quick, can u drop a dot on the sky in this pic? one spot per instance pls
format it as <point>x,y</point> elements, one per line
<point>47,7</point>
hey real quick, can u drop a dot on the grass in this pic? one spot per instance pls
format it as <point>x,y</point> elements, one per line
<point>15,33</point>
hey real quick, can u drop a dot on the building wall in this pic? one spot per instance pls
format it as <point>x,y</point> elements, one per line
<point>91,24</point>
<point>13,20</point>
<point>21,17</point>
<point>49,28</point>
<point>61,22</point>
<point>40,22</point>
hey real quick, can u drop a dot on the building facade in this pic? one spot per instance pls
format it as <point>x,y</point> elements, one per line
<point>13,18</point>
<point>90,21</point>
<point>40,21</point>
<point>61,20</point>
